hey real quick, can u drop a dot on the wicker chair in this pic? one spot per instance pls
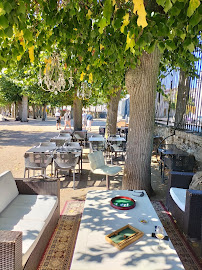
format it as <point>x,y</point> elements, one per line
<point>66,162</point>
<point>190,219</point>
<point>11,241</point>
<point>37,161</point>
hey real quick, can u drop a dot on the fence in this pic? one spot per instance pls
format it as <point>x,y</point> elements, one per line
<point>192,119</point>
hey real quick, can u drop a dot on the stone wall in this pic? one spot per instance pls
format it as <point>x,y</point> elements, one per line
<point>187,141</point>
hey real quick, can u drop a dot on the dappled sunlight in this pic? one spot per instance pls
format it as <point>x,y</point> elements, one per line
<point>100,219</point>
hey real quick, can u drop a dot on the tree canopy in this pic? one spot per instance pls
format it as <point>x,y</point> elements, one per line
<point>96,34</point>
<point>103,42</point>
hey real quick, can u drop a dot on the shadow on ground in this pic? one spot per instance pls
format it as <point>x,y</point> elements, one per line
<point>19,138</point>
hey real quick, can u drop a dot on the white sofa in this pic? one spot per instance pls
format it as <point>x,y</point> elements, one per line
<point>29,212</point>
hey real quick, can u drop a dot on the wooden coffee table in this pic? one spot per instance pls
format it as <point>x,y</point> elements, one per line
<point>93,252</point>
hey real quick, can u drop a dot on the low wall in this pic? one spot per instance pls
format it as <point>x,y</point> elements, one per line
<point>187,141</point>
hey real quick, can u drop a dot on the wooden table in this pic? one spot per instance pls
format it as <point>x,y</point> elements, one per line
<point>99,219</point>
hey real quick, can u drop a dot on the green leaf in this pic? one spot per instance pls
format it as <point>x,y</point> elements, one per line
<point>151,48</point>
<point>107,12</point>
<point>188,44</point>
<point>182,36</point>
<point>7,7</point>
<point>175,11</point>
<point>102,23</point>
<point>161,46</point>
<point>161,2</point>
<point>195,19</point>
<point>193,5</point>
<point>9,31</point>
<point>170,44</point>
<point>22,8</point>
<point>117,23</point>
<point>168,5</point>
<point>28,35</point>
<point>3,22</point>
<point>191,47</point>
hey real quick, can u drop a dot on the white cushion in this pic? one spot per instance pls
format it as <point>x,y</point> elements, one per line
<point>31,232</point>
<point>31,207</point>
<point>30,215</point>
<point>108,170</point>
<point>8,189</point>
<point>179,197</point>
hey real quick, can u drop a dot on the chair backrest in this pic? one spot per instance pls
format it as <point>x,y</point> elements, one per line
<point>70,131</point>
<point>98,145</point>
<point>96,160</point>
<point>64,135</point>
<point>80,134</point>
<point>69,159</point>
<point>118,145</point>
<point>97,135</point>
<point>41,160</point>
<point>47,144</point>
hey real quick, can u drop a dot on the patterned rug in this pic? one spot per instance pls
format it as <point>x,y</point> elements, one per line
<point>181,245</point>
<point>60,250</point>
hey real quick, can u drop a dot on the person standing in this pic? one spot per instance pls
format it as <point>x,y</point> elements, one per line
<point>58,119</point>
<point>84,119</point>
<point>67,119</point>
<point>89,121</point>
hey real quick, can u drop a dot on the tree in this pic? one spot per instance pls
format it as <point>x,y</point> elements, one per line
<point>95,34</point>
<point>112,109</point>
<point>182,98</point>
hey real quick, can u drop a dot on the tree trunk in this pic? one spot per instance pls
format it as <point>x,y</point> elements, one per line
<point>44,113</point>
<point>16,110</point>
<point>40,111</point>
<point>19,110</point>
<point>77,107</point>
<point>182,98</point>
<point>141,84</point>
<point>24,109</point>
<point>37,111</point>
<point>13,110</point>
<point>34,111</point>
<point>112,108</point>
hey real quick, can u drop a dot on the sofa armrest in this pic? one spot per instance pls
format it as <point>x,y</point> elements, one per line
<point>11,250</point>
<point>179,179</point>
<point>193,212</point>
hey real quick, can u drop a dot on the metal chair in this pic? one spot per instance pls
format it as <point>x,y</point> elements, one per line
<point>97,146</point>
<point>98,166</point>
<point>80,136</point>
<point>117,147</point>
<point>65,162</point>
<point>37,161</point>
